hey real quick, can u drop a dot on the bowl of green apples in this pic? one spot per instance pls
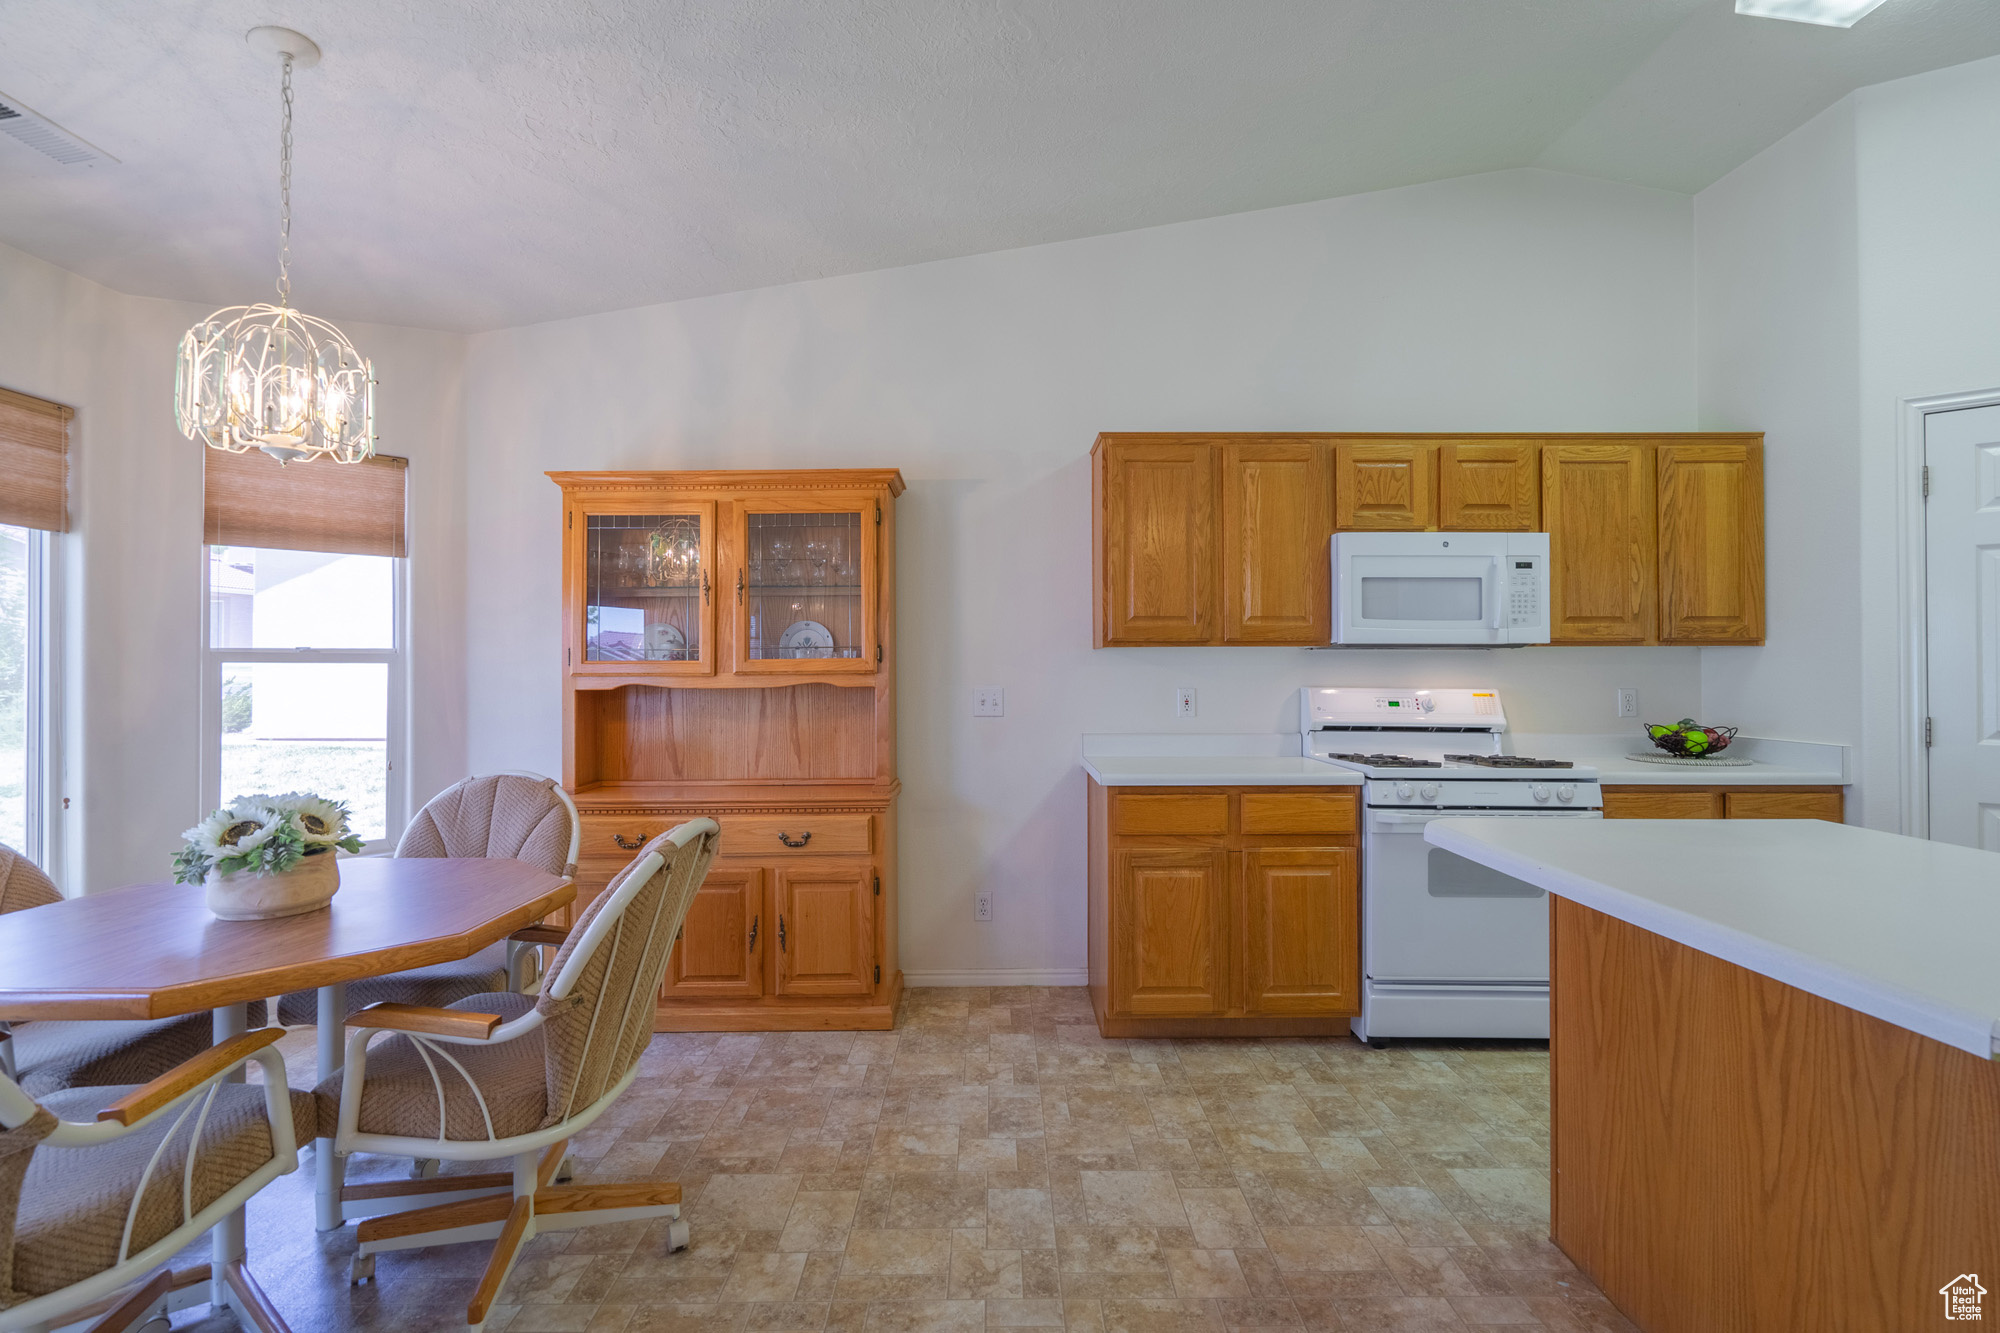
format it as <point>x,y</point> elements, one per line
<point>1688,739</point>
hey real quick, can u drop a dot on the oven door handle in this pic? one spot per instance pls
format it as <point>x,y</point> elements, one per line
<point>1408,817</point>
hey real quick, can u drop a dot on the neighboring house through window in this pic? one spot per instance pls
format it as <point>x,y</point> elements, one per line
<point>305,680</point>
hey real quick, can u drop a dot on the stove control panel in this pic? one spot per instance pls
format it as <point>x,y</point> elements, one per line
<point>1473,795</point>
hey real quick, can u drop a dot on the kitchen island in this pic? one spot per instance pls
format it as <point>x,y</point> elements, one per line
<point>1774,1098</point>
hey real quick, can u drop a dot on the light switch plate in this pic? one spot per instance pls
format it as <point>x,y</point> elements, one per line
<point>989,701</point>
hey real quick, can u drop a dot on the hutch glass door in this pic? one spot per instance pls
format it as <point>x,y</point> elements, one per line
<point>648,588</point>
<point>806,587</point>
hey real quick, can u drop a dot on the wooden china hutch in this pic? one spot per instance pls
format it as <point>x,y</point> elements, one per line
<point>729,649</point>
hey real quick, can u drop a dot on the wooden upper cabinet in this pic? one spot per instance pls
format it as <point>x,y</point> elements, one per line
<point>1300,919</point>
<point>641,575</point>
<point>1170,928</point>
<point>1385,486</point>
<point>1597,500</point>
<point>806,576</point>
<point>1155,544</point>
<point>1711,499</point>
<point>1489,486</point>
<point>1277,516</point>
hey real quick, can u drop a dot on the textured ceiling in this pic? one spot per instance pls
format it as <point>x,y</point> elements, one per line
<point>476,165</point>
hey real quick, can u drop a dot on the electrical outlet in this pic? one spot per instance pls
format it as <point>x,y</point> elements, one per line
<point>1628,701</point>
<point>989,701</point>
<point>1184,701</point>
<point>982,907</point>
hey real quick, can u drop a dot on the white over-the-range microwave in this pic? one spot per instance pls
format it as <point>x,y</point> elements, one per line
<point>1421,589</point>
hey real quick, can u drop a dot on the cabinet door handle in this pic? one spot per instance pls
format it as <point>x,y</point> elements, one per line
<point>781,932</point>
<point>704,588</point>
<point>619,838</point>
<point>753,934</point>
<point>804,838</point>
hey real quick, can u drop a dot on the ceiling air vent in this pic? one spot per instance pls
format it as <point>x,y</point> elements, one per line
<point>47,137</point>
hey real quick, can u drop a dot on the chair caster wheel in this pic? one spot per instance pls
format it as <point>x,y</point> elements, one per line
<point>677,1235</point>
<point>567,1171</point>
<point>423,1168</point>
<point>362,1270</point>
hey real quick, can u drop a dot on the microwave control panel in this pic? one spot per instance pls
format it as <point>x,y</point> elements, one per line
<point>1524,592</point>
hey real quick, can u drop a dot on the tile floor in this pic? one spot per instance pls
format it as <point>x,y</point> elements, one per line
<point>994,1163</point>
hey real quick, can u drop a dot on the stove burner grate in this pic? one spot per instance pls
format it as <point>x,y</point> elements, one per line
<point>1507,761</point>
<point>1387,760</point>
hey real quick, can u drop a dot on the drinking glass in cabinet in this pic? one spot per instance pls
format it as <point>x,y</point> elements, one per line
<point>644,579</point>
<point>804,585</point>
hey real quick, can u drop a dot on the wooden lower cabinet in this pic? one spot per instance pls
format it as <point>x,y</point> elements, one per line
<point>1201,924</point>
<point>1676,802</point>
<point>1300,930</point>
<point>780,937</point>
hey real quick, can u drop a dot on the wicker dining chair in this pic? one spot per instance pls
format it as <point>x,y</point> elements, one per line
<point>520,816</point>
<point>506,1076</point>
<point>48,1055</point>
<point>100,1186</point>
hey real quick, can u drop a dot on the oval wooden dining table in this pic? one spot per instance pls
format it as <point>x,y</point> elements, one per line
<point>153,951</point>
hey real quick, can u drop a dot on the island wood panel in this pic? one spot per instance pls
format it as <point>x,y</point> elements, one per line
<point>1734,1155</point>
<point>1277,516</point>
<point>1489,486</point>
<point>1155,548</point>
<point>1299,924</point>
<point>644,733</point>
<point>1711,545</point>
<point>1598,503</point>
<point>1385,485</point>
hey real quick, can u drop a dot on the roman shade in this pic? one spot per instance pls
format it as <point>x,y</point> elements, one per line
<point>34,462</point>
<point>349,508</point>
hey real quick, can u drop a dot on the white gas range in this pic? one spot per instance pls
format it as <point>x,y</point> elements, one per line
<point>1449,948</point>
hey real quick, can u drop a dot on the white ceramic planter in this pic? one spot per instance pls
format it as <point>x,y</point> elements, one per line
<point>249,896</point>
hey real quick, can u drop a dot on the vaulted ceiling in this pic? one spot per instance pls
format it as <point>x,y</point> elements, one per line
<point>470,164</point>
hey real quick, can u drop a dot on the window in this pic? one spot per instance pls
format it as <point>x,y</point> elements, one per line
<point>304,687</point>
<point>34,461</point>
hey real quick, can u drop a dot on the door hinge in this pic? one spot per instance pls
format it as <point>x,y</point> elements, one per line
<point>878,974</point>
<point>565,657</point>
<point>878,515</point>
<point>570,520</point>
<point>878,886</point>
<point>1927,733</point>
<point>1927,481</point>
<point>878,654</point>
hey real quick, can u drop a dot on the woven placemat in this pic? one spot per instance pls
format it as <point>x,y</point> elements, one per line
<point>1719,761</point>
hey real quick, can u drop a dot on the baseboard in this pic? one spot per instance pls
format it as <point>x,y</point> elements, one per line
<point>1000,976</point>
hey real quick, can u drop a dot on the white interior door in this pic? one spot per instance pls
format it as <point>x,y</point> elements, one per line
<point>1962,617</point>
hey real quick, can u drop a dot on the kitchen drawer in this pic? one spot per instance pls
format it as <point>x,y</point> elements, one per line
<point>1192,814</point>
<point>1298,812</point>
<point>780,836</point>
<point>1662,803</point>
<point>1825,805</point>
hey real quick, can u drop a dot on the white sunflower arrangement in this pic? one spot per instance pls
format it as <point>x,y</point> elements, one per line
<point>266,835</point>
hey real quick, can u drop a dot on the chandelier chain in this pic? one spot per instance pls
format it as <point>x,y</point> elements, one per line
<point>285,194</point>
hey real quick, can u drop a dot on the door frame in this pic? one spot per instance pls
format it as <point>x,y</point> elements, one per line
<point>1912,596</point>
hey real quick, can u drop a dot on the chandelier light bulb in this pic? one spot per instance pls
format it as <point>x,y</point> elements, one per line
<point>267,376</point>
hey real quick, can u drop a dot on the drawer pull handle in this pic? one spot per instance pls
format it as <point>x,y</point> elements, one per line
<point>753,934</point>
<point>619,838</point>
<point>804,838</point>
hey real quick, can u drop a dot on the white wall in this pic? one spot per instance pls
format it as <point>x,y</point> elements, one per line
<point>1780,352</point>
<point>132,632</point>
<point>1521,300</point>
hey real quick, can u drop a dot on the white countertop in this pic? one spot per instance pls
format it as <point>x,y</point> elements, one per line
<point>1216,771</point>
<point>1899,928</point>
<point>1773,763</point>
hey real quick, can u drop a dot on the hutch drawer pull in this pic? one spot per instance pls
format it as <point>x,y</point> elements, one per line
<point>781,932</point>
<point>619,838</point>
<point>753,934</point>
<point>804,838</point>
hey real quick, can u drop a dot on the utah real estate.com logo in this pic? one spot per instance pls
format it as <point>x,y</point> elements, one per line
<point>1961,1297</point>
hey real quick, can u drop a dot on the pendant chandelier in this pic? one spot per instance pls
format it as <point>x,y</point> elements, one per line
<point>266,376</point>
